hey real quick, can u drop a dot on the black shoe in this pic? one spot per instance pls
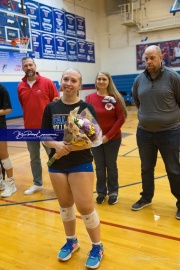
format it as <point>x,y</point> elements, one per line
<point>178,214</point>
<point>139,205</point>
<point>100,198</point>
<point>113,199</point>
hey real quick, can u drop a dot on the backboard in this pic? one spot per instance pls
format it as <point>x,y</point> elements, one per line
<point>176,7</point>
<point>13,25</point>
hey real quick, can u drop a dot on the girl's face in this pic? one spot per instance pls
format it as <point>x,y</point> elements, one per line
<point>102,82</point>
<point>71,82</point>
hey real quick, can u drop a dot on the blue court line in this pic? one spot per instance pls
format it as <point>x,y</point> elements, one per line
<point>130,152</point>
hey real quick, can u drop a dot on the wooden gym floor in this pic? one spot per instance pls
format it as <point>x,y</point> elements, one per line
<point>32,232</point>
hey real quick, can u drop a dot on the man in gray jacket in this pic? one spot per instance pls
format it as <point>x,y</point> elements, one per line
<point>156,93</point>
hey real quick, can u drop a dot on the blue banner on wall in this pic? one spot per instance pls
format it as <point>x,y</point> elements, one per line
<point>48,46</point>
<point>82,50</point>
<point>59,21</point>
<point>46,16</point>
<point>70,24</point>
<point>90,52</point>
<point>32,10</point>
<point>72,49</point>
<point>61,48</point>
<point>37,45</point>
<point>80,27</point>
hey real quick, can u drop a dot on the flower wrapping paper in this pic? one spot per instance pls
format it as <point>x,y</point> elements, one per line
<point>81,130</point>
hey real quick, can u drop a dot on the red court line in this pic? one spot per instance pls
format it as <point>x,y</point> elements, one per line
<point>108,223</point>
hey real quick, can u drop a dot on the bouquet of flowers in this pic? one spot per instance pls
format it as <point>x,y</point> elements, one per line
<point>81,130</point>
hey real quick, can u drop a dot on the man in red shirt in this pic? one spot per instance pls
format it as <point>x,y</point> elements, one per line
<point>34,93</point>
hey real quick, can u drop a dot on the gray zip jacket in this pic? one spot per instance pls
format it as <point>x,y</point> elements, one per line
<point>158,100</point>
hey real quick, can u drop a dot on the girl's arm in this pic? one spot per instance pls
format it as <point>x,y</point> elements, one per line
<point>5,111</point>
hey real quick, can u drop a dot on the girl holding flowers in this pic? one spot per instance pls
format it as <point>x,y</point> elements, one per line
<point>111,113</point>
<point>72,173</point>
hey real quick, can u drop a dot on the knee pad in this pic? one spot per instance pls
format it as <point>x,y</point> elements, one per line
<point>67,214</point>
<point>92,220</point>
<point>6,163</point>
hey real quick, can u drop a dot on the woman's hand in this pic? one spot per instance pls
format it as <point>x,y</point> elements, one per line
<point>56,99</point>
<point>104,139</point>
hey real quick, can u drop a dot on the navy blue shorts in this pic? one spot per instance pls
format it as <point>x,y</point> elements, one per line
<point>86,167</point>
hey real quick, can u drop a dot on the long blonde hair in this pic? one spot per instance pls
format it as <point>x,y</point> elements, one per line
<point>112,90</point>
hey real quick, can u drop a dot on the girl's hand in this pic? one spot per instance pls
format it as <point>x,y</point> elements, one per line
<point>62,149</point>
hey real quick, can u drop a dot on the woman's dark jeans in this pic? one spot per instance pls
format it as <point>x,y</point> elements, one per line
<point>105,157</point>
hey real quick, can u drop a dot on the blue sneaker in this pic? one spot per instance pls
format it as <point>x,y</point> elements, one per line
<point>95,256</point>
<point>70,247</point>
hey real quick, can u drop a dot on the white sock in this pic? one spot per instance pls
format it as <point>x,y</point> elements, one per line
<point>74,237</point>
<point>9,179</point>
<point>97,243</point>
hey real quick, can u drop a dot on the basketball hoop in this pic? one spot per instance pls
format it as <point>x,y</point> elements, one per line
<point>22,43</point>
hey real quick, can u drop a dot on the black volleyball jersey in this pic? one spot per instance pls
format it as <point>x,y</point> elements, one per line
<point>55,116</point>
<point>5,103</point>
